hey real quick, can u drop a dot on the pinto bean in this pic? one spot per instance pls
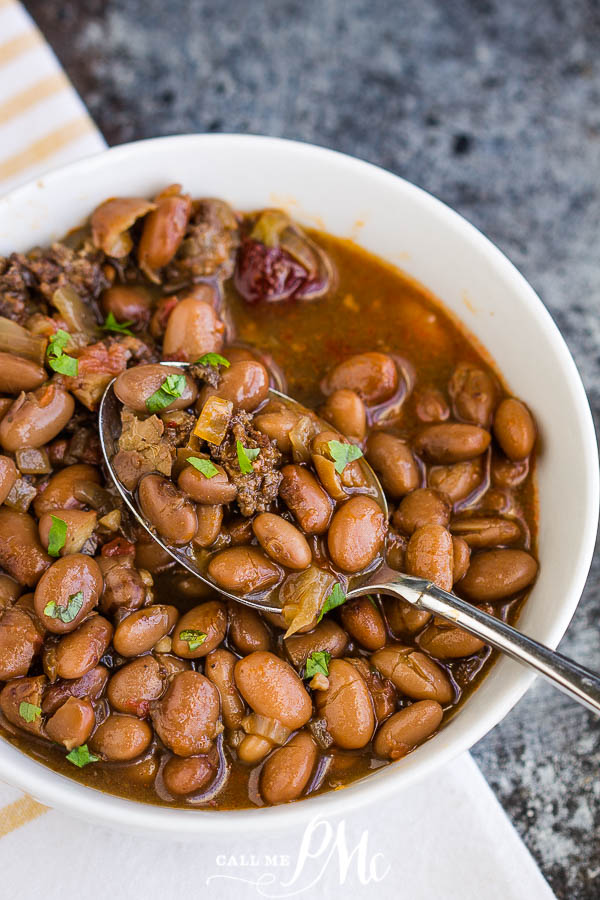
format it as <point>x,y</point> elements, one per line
<point>210,519</point>
<point>163,232</point>
<point>431,405</point>
<point>21,553</point>
<point>413,673</point>
<point>514,429</point>
<point>408,728</point>
<point>382,691</point>
<point>282,541</point>
<point>394,462</point>
<point>135,685</point>
<point>193,329</point>
<point>219,668</point>
<point>209,619</point>
<point>356,533</point>
<point>217,489</point>
<point>69,579</point>
<point>18,374</point>
<point>429,555</point>
<point>244,383</point>
<point>306,499</point>
<point>23,690</point>
<point>80,525</point>
<point>243,570</point>
<point>422,507</point>
<point>150,556</point>
<point>59,493</point>
<point>144,628</point>
<point>8,476</point>
<point>287,771</point>
<point>346,706</point>
<point>134,386</point>
<point>121,738</point>
<point>486,531</point>
<point>81,650</point>
<point>445,641</point>
<point>474,394</point>
<point>9,591</point>
<point>346,412</point>
<point>456,481</point>
<point>124,587</point>
<point>20,642</point>
<point>452,442</point>
<point>403,618</point>
<point>327,636</point>
<point>186,719</point>
<point>246,629</point>
<point>461,557</point>
<point>271,687</point>
<point>168,509</point>
<point>127,304</point>
<point>277,424</point>
<point>35,418</point>
<point>498,574</point>
<point>187,775</point>
<point>90,685</point>
<point>508,473</point>
<point>362,619</point>
<point>72,724</point>
<point>373,376</point>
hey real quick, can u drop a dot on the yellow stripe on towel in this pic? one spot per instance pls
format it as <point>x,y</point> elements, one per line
<point>45,147</point>
<point>37,92</point>
<point>19,813</point>
<point>18,45</point>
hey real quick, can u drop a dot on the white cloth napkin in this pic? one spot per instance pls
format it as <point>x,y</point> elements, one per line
<point>446,837</point>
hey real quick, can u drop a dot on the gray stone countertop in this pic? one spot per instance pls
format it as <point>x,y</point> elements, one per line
<point>492,106</point>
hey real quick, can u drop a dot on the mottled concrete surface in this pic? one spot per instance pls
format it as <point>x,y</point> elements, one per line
<point>494,107</point>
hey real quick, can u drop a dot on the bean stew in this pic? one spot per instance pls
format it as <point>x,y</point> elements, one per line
<point>121,669</point>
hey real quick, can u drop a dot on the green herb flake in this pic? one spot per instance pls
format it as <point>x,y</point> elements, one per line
<point>111,324</point>
<point>81,756</point>
<point>57,536</point>
<point>208,469</point>
<point>212,359</point>
<point>245,456</point>
<point>342,454</point>
<point>56,356</point>
<point>336,598</point>
<point>29,712</point>
<point>172,387</point>
<point>66,613</point>
<point>317,663</point>
<point>193,638</point>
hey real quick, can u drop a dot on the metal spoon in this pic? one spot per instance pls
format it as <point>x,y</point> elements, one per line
<point>568,676</point>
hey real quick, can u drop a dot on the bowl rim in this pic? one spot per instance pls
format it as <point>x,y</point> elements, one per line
<point>70,796</point>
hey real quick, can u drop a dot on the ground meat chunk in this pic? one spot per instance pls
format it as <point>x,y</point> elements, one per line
<point>209,374</point>
<point>15,282</point>
<point>178,427</point>
<point>209,244</point>
<point>258,490</point>
<point>56,266</point>
<point>142,449</point>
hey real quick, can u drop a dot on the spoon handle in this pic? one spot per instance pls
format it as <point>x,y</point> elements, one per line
<point>568,676</point>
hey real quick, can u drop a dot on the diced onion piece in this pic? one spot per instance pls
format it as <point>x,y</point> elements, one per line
<point>94,495</point>
<point>111,521</point>
<point>31,461</point>
<point>77,316</point>
<point>213,421</point>
<point>301,436</point>
<point>17,340</point>
<point>270,729</point>
<point>303,596</point>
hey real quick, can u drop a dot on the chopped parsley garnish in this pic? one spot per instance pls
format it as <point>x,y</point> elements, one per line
<point>208,469</point>
<point>29,712</point>
<point>81,756</point>
<point>193,638</point>
<point>336,598</point>
<point>317,663</point>
<point>66,613</point>
<point>212,359</point>
<point>57,536</point>
<point>111,324</point>
<point>57,358</point>
<point>245,456</point>
<point>342,454</point>
<point>172,387</point>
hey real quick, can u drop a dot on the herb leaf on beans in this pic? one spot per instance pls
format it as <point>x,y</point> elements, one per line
<point>56,356</point>
<point>172,387</point>
<point>81,756</point>
<point>205,466</point>
<point>317,663</point>
<point>111,324</point>
<point>335,598</point>
<point>342,454</point>
<point>212,359</point>
<point>245,456</point>
<point>192,637</point>
<point>66,613</point>
<point>29,712</point>
<point>57,536</point>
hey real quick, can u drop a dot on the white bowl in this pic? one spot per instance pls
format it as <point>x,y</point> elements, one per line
<point>407,227</point>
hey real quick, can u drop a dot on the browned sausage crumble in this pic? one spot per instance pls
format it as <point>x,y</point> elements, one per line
<point>120,668</point>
